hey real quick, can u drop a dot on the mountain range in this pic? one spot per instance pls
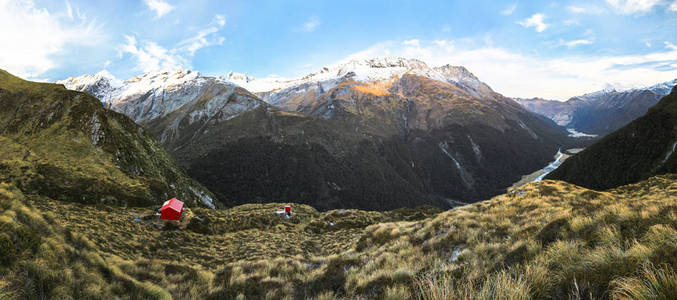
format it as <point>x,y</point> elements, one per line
<point>373,133</point>
<point>601,112</point>
<point>74,172</point>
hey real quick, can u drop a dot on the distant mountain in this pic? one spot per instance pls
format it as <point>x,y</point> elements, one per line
<point>64,145</point>
<point>600,112</point>
<point>641,149</point>
<point>372,134</point>
<point>283,92</point>
<point>157,94</point>
<point>437,114</point>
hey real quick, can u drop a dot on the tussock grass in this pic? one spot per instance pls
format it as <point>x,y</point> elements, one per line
<point>650,283</point>
<point>549,240</point>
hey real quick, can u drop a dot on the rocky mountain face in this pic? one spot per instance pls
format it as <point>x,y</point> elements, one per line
<point>156,94</point>
<point>602,112</point>
<point>373,134</point>
<point>643,148</point>
<point>560,112</point>
<point>64,145</point>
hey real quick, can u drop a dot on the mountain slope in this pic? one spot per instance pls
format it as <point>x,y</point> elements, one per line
<point>601,112</point>
<point>65,145</point>
<point>268,155</point>
<point>375,134</point>
<point>641,149</point>
<point>452,131</point>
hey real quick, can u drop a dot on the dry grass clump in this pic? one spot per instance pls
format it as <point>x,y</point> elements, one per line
<point>656,283</point>
<point>44,261</point>
<point>571,242</point>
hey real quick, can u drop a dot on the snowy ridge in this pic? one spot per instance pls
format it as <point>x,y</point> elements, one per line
<point>364,70</point>
<point>100,85</point>
<point>661,89</point>
<point>141,84</point>
<point>153,81</point>
<point>153,94</point>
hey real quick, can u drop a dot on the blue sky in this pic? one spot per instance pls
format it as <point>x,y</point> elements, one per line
<point>552,49</point>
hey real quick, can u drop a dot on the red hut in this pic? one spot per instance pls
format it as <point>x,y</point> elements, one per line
<point>171,209</point>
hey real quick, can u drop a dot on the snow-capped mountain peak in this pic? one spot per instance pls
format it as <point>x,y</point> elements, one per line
<point>664,88</point>
<point>89,79</point>
<point>155,80</point>
<point>364,70</point>
<point>100,85</point>
<point>236,77</point>
<point>154,94</point>
<point>660,89</point>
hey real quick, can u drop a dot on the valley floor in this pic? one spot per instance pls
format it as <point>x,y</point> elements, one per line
<point>559,158</point>
<point>547,239</point>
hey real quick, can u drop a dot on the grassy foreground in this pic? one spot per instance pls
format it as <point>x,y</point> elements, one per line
<point>546,240</point>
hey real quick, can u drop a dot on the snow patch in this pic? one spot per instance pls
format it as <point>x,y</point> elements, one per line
<point>529,131</point>
<point>475,149</point>
<point>204,197</point>
<point>456,252</point>
<point>576,134</point>
<point>467,179</point>
<point>667,156</point>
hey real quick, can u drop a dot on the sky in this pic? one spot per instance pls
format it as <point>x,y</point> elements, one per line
<point>549,49</point>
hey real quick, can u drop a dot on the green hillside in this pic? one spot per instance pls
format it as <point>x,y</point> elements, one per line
<point>65,145</point>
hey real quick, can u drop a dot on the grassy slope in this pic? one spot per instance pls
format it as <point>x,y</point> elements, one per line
<point>42,260</point>
<point>545,240</point>
<point>65,145</point>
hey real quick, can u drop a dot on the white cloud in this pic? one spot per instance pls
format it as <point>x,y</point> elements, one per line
<point>160,7</point>
<point>576,9</point>
<point>205,37</point>
<point>153,57</point>
<point>575,43</point>
<point>150,56</point>
<point>571,22</point>
<point>411,43</point>
<point>69,10</point>
<point>673,6</point>
<point>311,24</point>
<point>220,20</point>
<point>31,36</point>
<point>517,75</point>
<point>629,7</point>
<point>585,9</point>
<point>670,46</point>
<point>509,10</point>
<point>535,21</point>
